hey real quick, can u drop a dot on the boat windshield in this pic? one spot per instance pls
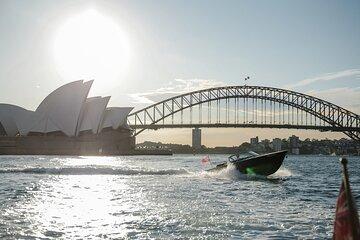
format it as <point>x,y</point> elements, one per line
<point>253,153</point>
<point>241,156</point>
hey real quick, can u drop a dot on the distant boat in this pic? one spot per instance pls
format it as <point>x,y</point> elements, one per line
<point>265,164</point>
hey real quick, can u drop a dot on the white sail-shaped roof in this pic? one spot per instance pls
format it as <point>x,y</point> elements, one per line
<point>9,125</point>
<point>115,117</point>
<point>61,109</point>
<point>68,110</point>
<point>93,114</point>
<point>2,130</point>
<point>15,119</point>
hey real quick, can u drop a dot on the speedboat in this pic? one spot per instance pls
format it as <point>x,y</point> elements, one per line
<point>253,163</point>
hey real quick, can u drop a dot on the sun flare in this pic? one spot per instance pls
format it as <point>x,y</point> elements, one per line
<point>91,46</point>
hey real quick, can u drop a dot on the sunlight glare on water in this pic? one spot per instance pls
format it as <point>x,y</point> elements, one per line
<point>167,197</point>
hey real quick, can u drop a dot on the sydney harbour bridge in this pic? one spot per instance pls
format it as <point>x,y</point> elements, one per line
<point>246,107</point>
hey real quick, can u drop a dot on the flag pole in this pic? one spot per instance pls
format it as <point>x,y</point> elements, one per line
<point>349,199</point>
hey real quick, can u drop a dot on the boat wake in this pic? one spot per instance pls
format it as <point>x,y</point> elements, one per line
<point>230,172</point>
<point>93,171</point>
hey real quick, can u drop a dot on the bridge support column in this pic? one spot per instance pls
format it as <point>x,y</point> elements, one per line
<point>196,138</point>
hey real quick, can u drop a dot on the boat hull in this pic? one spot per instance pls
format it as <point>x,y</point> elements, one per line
<point>265,164</point>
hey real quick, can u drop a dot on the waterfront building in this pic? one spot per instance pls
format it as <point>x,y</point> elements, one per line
<point>67,121</point>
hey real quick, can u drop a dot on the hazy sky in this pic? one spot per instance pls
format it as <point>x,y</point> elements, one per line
<point>175,46</point>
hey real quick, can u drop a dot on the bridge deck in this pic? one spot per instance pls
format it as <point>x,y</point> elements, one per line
<point>228,125</point>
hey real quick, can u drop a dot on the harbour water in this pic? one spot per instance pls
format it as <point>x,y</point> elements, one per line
<point>167,197</point>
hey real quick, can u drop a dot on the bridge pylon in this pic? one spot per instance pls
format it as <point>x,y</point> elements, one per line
<point>196,138</point>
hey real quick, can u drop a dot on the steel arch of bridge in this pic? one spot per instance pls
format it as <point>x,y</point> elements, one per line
<point>333,117</point>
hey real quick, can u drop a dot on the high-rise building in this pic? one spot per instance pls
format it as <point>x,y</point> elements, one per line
<point>196,138</point>
<point>254,141</point>
<point>276,144</point>
<point>294,144</point>
<point>265,143</point>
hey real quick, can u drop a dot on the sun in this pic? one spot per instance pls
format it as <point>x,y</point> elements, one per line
<point>91,46</point>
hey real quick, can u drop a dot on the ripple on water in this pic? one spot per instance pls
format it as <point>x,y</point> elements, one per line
<point>167,197</point>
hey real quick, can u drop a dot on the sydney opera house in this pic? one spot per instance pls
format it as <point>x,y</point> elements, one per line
<point>67,122</point>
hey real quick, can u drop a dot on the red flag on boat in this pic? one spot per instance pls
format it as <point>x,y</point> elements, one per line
<point>346,226</point>
<point>205,160</point>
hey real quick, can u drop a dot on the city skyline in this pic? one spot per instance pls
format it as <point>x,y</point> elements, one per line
<point>200,47</point>
<point>293,144</point>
